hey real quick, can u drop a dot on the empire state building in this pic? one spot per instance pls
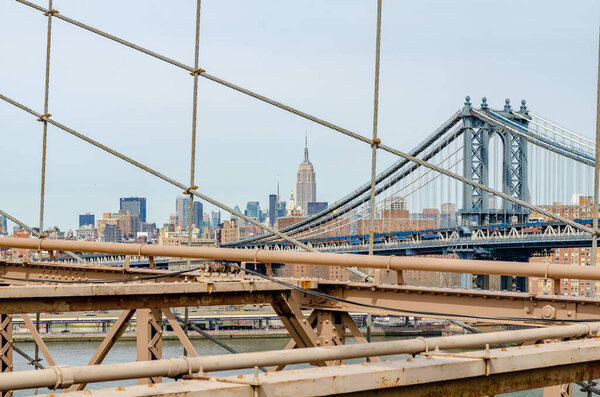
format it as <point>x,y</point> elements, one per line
<point>306,187</point>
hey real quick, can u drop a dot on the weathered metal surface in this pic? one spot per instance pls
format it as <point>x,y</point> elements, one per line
<point>149,339</point>
<point>80,297</point>
<point>182,388</point>
<point>6,351</point>
<point>183,338</point>
<point>465,374</point>
<point>452,301</point>
<point>220,290</point>
<point>175,367</point>
<point>38,339</point>
<point>514,269</point>
<point>58,271</point>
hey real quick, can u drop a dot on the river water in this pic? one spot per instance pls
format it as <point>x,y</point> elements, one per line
<point>78,353</point>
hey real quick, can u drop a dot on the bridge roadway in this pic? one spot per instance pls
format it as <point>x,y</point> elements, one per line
<point>514,242</point>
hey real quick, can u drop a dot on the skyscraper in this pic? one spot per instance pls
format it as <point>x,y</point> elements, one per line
<point>215,219</point>
<point>306,186</point>
<point>253,209</point>
<point>87,219</point>
<point>198,212</point>
<point>272,209</point>
<point>3,225</point>
<point>182,209</point>
<point>135,206</point>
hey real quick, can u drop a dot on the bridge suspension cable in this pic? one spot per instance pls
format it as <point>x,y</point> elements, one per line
<point>566,137</point>
<point>521,131</point>
<point>376,140</point>
<point>558,127</point>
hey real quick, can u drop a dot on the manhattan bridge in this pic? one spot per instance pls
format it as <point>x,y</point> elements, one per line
<point>502,166</point>
<point>502,148</point>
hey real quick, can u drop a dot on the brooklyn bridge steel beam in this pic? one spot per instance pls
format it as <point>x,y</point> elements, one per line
<point>176,367</point>
<point>550,271</point>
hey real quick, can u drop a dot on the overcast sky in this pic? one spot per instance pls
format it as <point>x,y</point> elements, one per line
<point>314,55</point>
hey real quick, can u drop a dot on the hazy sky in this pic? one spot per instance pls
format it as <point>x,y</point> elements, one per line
<point>317,56</point>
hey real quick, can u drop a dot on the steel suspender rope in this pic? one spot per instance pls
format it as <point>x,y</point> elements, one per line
<point>596,178</point>
<point>374,146</point>
<point>49,14</point>
<point>193,154</point>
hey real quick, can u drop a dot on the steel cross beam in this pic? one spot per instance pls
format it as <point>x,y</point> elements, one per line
<point>554,271</point>
<point>58,271</point>
<point>81,297</point>
<point>440,302</point>
<point>452,303</point>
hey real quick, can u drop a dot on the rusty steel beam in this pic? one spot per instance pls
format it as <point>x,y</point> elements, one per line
<point>149,339</point>
<point>38,339</point>
<point>450,374</point>
<point>556,354</point>
<point>83,297</point>
<point>183,338</point>
<point>467,387</point>
<point>294,321</point>
<point>358,336</point>
<point>53,271</point>
<point>219,291</point>
<point>457,302</point>
<point>552,271</point>
<point>6,348</point>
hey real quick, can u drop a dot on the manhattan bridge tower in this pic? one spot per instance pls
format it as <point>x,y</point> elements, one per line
<point>476,210</point>
<point>477,134</point>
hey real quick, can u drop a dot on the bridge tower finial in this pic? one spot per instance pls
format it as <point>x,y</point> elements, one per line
<point>507,105</point>
<point>468,101</point>
<point>484,104</point>
<point>523,106</point>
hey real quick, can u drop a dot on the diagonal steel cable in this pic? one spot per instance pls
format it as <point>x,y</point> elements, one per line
<point>194,115</point>
<point>44,146</point>
<point>193,152</point>
<point>167,179</point>
<point>35,233</point>
<point>45,124</point>
<point>375,139</point>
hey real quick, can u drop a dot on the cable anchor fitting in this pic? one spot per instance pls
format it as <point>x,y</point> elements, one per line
<point>51,12</point>
<point>187,191</point>
<point>375,143</point>
<point>197,71</point>
<point>44,116</point>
